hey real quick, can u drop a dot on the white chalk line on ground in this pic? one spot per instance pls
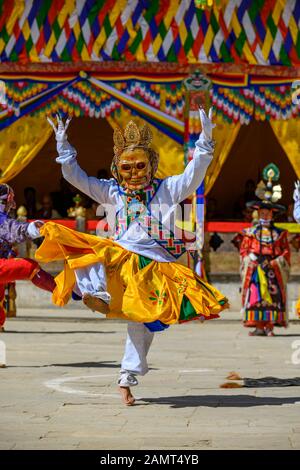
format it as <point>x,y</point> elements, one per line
<point>58,383</point>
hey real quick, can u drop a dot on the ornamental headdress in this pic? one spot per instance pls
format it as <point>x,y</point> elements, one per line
<point>267,192</point>
<point>133,137</point>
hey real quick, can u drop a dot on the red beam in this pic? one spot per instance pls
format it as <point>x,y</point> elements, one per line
<point>224,227</point>
<point>91,225</point>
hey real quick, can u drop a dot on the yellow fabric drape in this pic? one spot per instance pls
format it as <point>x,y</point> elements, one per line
<point>20,143</point>
<point>224,135</point>
<point>265,294</point>
<point>288,133</point>
<point>289,226</point>
<point>171,155</point>
<point>154,292</point>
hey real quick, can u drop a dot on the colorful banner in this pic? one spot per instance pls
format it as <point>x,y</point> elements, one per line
<point>160,103</point>
<point>249,32</point>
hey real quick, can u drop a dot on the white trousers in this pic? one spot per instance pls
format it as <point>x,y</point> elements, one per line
<point>92,280</point>
<point>134,361</point>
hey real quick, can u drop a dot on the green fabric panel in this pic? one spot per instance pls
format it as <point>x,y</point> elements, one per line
<point>143,261</point>
<point>272,26</point>
<point>151,10</point>
<point>136,42</point>
<point>240,41</point>
<point>80,43</point>
<point>187,311</point>
<point>284,57</point>
<point>42,12</point>
<point>225,53</point>
<point>107,26</point>
<point>214,23</point>
<point>56,28</point>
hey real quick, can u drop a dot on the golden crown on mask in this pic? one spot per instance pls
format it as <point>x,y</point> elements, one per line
<point>132,138</point>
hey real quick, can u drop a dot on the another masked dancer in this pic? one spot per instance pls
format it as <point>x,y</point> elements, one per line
<point>297,218</point>
<point>297,202</point>
<point>13,268</point>
<point>134,275</point>
<point>265,261</point>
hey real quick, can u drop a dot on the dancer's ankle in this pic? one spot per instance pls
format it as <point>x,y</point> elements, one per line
<point>126,395</point>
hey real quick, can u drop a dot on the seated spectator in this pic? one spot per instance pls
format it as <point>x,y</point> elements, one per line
<point>63,199</point>
<point>248,214</point>
<point>212,212</point>
<point>249,195</point>
<point>47,211</point>
<point>30,202</point>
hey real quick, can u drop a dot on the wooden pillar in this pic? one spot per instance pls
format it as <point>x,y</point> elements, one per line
<point>197,96</point>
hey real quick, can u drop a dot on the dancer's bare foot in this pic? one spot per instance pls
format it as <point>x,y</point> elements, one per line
<point>95,304</point>
<point>269,332</point>
<point>127,397</point>
<point>231,385</point>
<point>233,376</point>
<point>2,330</point>
<point>257,332</point>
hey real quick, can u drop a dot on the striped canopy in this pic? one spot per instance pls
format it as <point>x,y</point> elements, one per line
<point>254,32</point>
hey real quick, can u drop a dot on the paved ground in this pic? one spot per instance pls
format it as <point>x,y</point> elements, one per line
<point>58,391</point>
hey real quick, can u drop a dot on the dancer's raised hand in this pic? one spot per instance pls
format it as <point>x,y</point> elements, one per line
<point>206,123</point>
<point>61,129</point>
<point>297,191</point>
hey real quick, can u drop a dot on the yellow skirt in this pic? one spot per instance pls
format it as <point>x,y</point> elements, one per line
<point>142,290</point>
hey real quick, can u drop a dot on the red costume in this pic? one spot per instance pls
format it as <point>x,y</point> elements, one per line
<point>265,275</point>
<point>13,268</point>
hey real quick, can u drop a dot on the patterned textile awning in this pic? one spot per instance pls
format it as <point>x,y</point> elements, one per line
<point>160,101</point>
<point>247,32</point>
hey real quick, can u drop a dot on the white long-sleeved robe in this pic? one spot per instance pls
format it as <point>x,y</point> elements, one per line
<point>171,192</point>
<point>297,211</point>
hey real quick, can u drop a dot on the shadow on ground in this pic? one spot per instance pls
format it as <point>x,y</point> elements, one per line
<point>104,364</point>
<point>108,364</point>
<point>59,332</point>
<point>220,401</point>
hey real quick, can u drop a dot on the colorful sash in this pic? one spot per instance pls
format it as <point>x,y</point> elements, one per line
<point>137,207</point>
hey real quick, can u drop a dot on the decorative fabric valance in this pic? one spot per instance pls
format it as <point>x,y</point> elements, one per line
<point>157,99</point>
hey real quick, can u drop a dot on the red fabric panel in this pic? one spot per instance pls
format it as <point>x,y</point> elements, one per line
<point>16,269</point>
<point>2,311</point>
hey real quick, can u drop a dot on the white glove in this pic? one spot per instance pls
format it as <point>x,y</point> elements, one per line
<point>61,129</point>
<point>33,229</point>
<point>206,123</point>
<point>296,194</point>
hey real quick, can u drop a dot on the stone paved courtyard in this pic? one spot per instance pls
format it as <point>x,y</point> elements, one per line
<point>58,389</point>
